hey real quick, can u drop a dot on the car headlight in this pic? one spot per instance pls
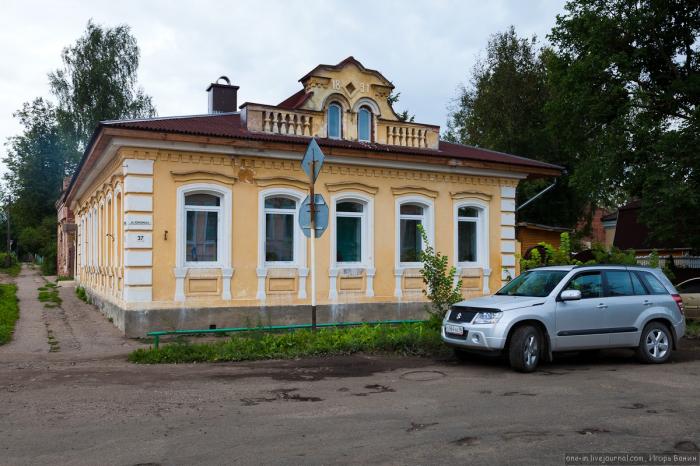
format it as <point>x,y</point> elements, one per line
<point>487,317</point>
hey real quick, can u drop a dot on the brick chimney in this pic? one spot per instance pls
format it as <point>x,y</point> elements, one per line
<point>223,98</point>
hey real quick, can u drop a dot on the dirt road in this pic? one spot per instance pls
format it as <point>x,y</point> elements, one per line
<point>83,407</point>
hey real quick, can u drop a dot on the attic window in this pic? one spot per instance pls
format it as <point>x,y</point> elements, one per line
<point>334,121</point>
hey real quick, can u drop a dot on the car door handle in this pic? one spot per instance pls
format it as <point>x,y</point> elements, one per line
<point>647,302</point>
<point>602,306</point>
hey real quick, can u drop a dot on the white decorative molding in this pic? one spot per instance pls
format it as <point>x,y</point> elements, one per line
<point>508,205</point>
<point>138,258</point>
<point>138,202</point>
<point>507,233</point>
<point>180,274</point>
<point>138,240</point>
<point>398,291</point>
<point>508,219</point>
<point>508,191</point>
<point>138,276</point>
<point>138,294</point>
<point>138,222</point>
<point>226,275</point>
<point>137,167</point>
<point>507,260</point>
<point>303,273</point>
<point>261,273</point>
<point>370,272</point>
<point>428,224</point>
<point>333,283</point>
<point>508,246</point>
<point>487,275</point>
<point>138,184</point>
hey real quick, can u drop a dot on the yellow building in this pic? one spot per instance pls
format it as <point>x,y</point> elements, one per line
<point>191,222</point>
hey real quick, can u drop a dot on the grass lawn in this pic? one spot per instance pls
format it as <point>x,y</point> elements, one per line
<point>12,270</point>
<point>420,339</point>
<point>9,311</point>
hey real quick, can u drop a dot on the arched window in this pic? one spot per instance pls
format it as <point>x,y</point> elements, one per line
<point>334,121</point>
<point>280,213</point>
<point>350,229</point>
<point>364,125</point>
<point>203,211</point>
<point>410,242</point>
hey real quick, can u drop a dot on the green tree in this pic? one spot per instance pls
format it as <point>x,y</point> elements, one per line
<point>625,89</point>
<point>503,108</point>
<point>403,116</point>
<point>98,81</point>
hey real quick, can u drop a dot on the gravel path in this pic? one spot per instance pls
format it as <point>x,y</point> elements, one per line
<point>72,330</point>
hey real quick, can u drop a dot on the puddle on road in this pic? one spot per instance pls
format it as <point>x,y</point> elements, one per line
<point>466,441</point>
<point>375,388</point>
<point>416,426</point>
<point>280,394</point>
<point>422,376</point>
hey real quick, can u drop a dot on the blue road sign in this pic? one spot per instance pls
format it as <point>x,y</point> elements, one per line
<point>313,154</point>
<point>321,209</point>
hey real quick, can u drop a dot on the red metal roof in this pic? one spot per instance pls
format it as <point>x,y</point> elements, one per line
<point>228,125</point>
<point>296,100</point>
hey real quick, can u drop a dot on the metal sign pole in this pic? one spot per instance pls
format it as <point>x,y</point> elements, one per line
<point>313,247</point>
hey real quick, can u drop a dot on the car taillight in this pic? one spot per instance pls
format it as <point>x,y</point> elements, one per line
<point>679,302</point>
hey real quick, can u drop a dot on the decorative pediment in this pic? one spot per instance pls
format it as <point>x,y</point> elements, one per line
<point>403,190</point>
<point>351,186</point>
<point>202,175</point>
<point>282,181</point>
<point>470,195</point>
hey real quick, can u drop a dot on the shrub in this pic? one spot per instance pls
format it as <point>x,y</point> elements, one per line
<point>441,287</point>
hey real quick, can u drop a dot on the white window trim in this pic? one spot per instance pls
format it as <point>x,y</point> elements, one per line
<point>482,233</point>
<point>367,259</point>
<point>299,257</point>
<point>428,223</point>
<point>371,123</point>
<point>223,246</point>
<point>340,117</point>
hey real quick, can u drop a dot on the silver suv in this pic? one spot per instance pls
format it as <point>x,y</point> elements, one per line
<point>571,308</point>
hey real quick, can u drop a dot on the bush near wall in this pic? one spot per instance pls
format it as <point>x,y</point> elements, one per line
<point>563,255</point>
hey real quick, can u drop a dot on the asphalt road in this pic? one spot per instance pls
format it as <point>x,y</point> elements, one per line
<point>92,407</point>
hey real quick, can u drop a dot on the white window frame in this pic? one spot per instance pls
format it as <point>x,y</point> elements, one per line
<point>223,240</point>
<point>427,220</point>
<point>299,243</point>
<point>371,122</point>
<point>482,233</point>
<point>340,120</point>
<point>367,228</point>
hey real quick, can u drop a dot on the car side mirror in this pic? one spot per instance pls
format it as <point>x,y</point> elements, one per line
<point>570,295</point>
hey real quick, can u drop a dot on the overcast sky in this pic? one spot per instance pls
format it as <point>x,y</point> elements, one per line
<point>426,48</point>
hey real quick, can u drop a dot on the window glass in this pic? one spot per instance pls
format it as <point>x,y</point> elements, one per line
<point>466,245</point>
<point>349,239</point>
<point>589,284</point>
<point>202,200</point>
<point>280,203</point>
<point>202,232</point>
<point>279,237</point>
<point>690,287</point>
<point>334,113</point>
<point>364,125</point>
<point>411,209</point>
<point>538,283</point>
<point>468,212</point>
<point>653,284</point>
<point>637,285</point>
<point>411,242</point>
<point>618,283</point>
<point>349,207</point>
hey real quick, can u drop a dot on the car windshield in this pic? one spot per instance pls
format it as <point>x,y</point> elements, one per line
<point>536,283</point>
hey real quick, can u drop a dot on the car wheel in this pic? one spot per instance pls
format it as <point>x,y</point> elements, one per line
<point>655,344</point>
<point>461,355</point>
<point>525,349</point>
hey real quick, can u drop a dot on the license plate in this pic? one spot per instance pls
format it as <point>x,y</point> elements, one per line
<point>454,329</point>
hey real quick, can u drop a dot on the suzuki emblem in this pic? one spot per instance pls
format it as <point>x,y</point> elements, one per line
<point>459,316</point>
